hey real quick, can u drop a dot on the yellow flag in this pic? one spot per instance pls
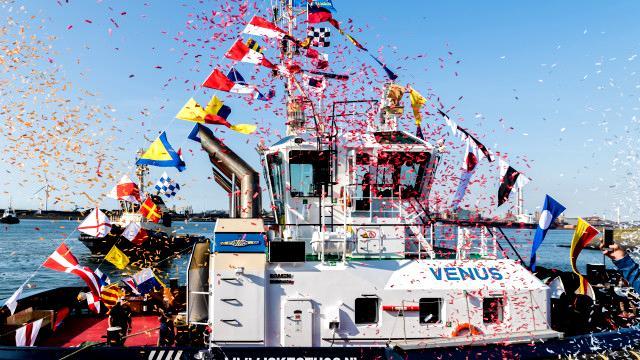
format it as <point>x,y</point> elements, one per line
<point>192,111</point>
<point>214,105</point>
<point>306,42</point>
<point>117,258</point>
<point>243,128</point>
<point>417,101</point>
<point>157,151</point>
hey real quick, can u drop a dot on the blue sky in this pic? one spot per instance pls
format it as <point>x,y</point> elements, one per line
<point>553,82</point>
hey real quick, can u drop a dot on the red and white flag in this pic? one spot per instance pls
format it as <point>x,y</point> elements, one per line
<point>239,51</point>
<point>131,284</point>
<point>93,303</point>
<point>289,68</point>
<point>262,27</point>
<point>318,59</point>
<point>217,80</point>
<point>135,233</point>
<point>126,190</point>
<point>468,168</point>
<point>96,224</point>
<point>26,335</point>
<point>63,260</point>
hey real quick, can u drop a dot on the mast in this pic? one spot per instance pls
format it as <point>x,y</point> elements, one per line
<point>141,171</point>
<point>283,15</point>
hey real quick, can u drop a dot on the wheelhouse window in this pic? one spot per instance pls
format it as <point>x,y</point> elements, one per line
<point>363,181</point>
<point>430,310</point>
<point>493,310</point>
<point>274,162</point>
<point>401,173</point>
<point>308,170</point>
<point>366,310</point>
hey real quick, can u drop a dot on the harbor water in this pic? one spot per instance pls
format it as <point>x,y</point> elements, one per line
<point>25,246</point>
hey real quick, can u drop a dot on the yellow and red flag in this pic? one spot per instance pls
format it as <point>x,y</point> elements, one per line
<point>110,295</point>
<point>583,235</point>
<point>216,112</point>
<point>150,210</point>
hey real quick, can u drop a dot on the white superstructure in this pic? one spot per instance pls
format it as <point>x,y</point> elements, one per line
<point>354,258</point>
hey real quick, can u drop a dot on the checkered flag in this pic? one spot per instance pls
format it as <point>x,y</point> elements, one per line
<point>167,186</point>
<point>320,36</point>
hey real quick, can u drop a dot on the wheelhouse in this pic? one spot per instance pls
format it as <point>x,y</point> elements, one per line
<point>374,183</point>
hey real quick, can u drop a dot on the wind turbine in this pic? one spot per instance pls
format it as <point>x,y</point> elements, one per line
<point>46,189</point>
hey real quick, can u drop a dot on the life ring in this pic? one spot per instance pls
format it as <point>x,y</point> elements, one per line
<point>466,326</point>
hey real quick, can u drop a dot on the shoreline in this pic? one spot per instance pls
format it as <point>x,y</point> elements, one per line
<point>80,215</point>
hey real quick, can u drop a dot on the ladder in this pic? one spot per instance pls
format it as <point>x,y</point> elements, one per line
<point>423,244</point>
<point>326,208</point>
<point>421,214</point>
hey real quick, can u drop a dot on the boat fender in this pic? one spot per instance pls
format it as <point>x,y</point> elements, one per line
<point>466,326</point>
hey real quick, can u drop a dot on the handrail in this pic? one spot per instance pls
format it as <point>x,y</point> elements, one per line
<point>497,242</point>
<point>426,219</point>
<point>511,245</point>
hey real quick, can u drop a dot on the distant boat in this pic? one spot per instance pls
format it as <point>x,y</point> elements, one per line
<point>162,241</point>
<point>9,216</point>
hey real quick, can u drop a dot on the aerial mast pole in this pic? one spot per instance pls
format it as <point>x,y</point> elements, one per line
<point>283,15</point>
<point>141,171</point>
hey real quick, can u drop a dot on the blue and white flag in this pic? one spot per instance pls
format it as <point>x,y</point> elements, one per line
<point>327,4</point>
<point>146,281</point>
<point>550,211</point>
<point>167,186</point>
<point>104,279</point>
<point>235,76</point>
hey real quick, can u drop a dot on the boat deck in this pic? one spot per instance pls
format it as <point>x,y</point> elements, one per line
<point>77,330</point>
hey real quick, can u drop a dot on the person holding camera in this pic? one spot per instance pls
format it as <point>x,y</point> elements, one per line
<point>625,264</point>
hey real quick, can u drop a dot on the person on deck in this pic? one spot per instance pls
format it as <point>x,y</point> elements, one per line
<point>625,264</point>
<point>166,334</point>
<point>120,315</point>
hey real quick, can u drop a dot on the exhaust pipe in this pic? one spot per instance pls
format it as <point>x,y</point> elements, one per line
<point>230,164</point>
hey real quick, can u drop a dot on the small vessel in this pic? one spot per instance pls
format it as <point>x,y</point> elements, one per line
<point>163,239</point>
<point>9,216</point>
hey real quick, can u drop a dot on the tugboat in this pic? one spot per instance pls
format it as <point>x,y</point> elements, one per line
<point>162,238</point>
<point>360,273</point>
<point>9,216</point>
<point>355,267</point>
<point>354,260</point>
